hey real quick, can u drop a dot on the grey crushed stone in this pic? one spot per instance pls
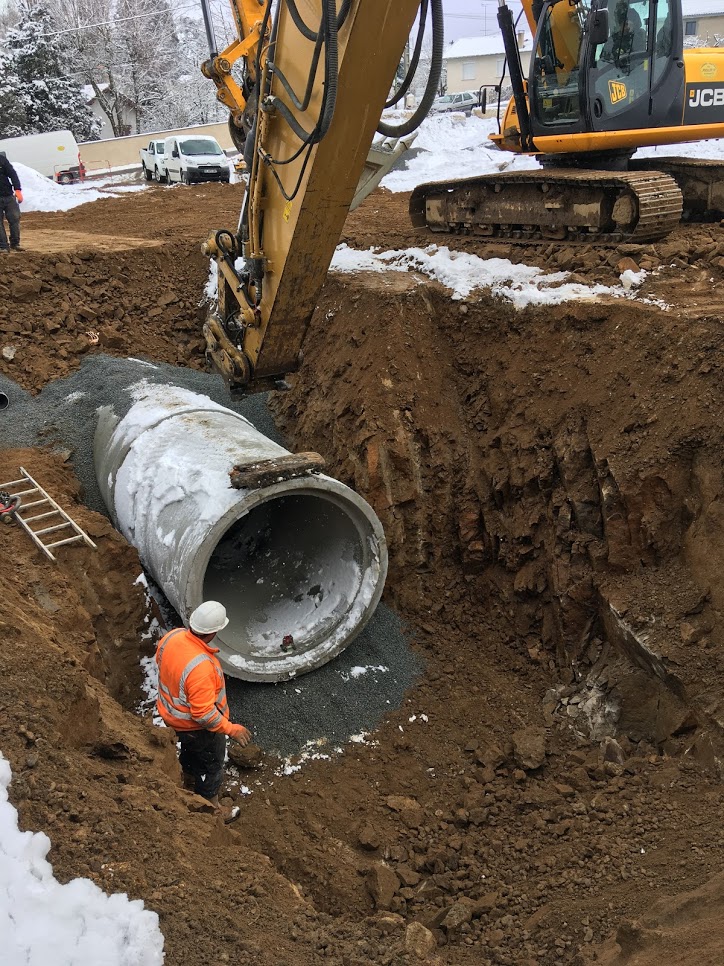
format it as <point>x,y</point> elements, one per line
<point>330,703</point>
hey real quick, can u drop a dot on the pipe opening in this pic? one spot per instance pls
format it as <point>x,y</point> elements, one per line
<point>293,565</point>
<point>4,401</point>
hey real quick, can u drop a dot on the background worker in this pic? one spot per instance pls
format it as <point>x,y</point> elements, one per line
<point>192,699</point>
<point>10,198</point>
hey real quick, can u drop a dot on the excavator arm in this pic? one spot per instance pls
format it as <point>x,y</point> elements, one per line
<point>319,82</point>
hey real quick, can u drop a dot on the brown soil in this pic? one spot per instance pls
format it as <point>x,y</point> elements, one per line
<point>549,481</point>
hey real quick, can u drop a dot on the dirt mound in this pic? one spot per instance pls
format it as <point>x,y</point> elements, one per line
<point>548,481</point>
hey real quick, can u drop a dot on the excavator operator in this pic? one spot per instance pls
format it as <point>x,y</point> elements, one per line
<point>627,38</point>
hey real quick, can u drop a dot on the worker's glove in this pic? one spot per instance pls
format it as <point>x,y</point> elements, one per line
<point>19,195</point>
<point>240,734</point>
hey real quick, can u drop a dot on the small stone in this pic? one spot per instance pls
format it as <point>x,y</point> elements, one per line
<point>627,264</point>
<point>419,941</point>
<point>382,884</point>
<point>9,352</point>
<point>611,750</point>
<point>368,838</point>
<point>529,747</point>
<point>458,914</point>
<point>245,758</point>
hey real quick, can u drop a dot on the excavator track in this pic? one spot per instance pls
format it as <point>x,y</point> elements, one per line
<point>700,182</point>
<point>595,207</point>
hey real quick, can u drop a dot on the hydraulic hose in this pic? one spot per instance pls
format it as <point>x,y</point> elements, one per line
<point>438,39</point>
<point>414,60</point>
<point>306,31</point>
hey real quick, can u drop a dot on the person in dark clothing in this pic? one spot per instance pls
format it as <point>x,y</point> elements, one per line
<point>10,197</point>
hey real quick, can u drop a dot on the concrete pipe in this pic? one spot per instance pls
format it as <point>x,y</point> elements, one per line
<point>305,557</point>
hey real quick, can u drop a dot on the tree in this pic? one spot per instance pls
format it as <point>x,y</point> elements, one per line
<point>191,97</point>
<point>13,120</point>
<point>150,47</point>
<point>40,93</point>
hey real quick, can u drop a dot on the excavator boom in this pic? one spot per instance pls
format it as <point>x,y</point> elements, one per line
<point>321,79</point>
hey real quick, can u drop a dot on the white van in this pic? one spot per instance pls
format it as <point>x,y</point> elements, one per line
<point>194,157</point>
<point>54,154</point>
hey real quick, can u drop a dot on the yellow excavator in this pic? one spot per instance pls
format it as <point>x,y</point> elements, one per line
<point>306,83</point>
<point>606,77</point>
<point>313,83</point>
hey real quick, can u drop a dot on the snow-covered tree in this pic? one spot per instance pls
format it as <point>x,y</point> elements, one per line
<point>149,45</point>
<point>13,120</point>
<point>190,98</point>
<point>46,93</point>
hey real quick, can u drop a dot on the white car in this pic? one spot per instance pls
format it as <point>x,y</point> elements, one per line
<point>191,158</point>
<point>152,161</point>
<point>463,101</point>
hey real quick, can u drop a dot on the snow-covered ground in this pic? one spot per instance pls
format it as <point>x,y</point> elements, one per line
<point>463,273</point>
<point>42,194</point>
<point>455,146</point>
<point>44,923</point>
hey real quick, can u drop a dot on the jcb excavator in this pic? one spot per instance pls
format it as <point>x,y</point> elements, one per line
<point>606,77</point>
<point>315,80</point>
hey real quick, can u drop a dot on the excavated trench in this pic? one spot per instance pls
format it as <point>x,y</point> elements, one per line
<point>559,465</point>
<point>549,483</point>
<point>562,462</point>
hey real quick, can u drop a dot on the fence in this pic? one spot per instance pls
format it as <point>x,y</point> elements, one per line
<point>124,152</point>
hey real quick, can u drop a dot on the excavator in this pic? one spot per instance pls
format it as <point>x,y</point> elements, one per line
<point>606,77</point>
<point>306,83</point>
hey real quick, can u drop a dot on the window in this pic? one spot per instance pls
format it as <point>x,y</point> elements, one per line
<point>468,70</point>
<point>690,28</point>
<point>663,39</point>
<point>499,67</point>
<point>198,146</point>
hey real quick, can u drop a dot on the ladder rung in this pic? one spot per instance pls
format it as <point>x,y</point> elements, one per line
<point>60,526</point>
<point>26,506</point>
<point>41,516</point>
<point>59,543</point>
<point>25,492</point>
<point>12,483</point>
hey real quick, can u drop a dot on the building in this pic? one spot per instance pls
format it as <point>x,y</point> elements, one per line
<point>128,114</point>
<point>472,62</point>
<point>703,21</point>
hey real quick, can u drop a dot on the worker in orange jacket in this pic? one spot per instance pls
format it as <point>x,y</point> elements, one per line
<point>192,699</point>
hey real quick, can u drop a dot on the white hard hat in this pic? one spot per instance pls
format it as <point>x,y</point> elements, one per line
<point>208,618</point>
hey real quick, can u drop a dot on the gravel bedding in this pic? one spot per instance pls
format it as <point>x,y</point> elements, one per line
<point>347,697</point>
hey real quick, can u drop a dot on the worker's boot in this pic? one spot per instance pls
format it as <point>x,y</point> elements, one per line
<point>189,782</point>
<point>215,802</point>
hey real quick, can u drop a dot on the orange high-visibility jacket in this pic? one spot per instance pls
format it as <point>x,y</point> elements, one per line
<point>191,686</point>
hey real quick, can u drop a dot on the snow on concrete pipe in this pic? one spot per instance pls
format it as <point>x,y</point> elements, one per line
<point>305,557</point>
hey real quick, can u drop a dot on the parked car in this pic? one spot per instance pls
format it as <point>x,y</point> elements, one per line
<point>54,154</point>
<point>462,101</point>
<point>152,161</point>
<point>193,158</point>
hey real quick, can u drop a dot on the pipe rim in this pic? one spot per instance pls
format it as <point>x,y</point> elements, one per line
<point>287,667</point>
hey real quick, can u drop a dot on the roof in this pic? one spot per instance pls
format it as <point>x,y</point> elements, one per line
<point>488,46</point>
<point>702,8</point>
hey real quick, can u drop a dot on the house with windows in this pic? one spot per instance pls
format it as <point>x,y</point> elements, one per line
<point>129,116</point>
<point>703,21</point>
<point>472,62</point>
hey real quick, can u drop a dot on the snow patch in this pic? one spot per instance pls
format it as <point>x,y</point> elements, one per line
<point>522,285</point>
<point>42,194</point>
<point>77,924</point>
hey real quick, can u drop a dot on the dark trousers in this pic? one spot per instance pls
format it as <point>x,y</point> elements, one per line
<point>10,209</point>
<point>202,756</point>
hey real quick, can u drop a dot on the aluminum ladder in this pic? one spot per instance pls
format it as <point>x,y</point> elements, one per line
<point>33,487</point>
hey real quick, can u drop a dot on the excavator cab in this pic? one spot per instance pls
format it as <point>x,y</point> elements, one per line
<point>611,66</point>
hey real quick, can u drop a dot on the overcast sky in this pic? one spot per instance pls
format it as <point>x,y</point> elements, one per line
<point>472,18</point>
<point>463,18</point>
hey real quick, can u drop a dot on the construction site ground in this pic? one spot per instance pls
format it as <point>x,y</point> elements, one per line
<point>550,482</point>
